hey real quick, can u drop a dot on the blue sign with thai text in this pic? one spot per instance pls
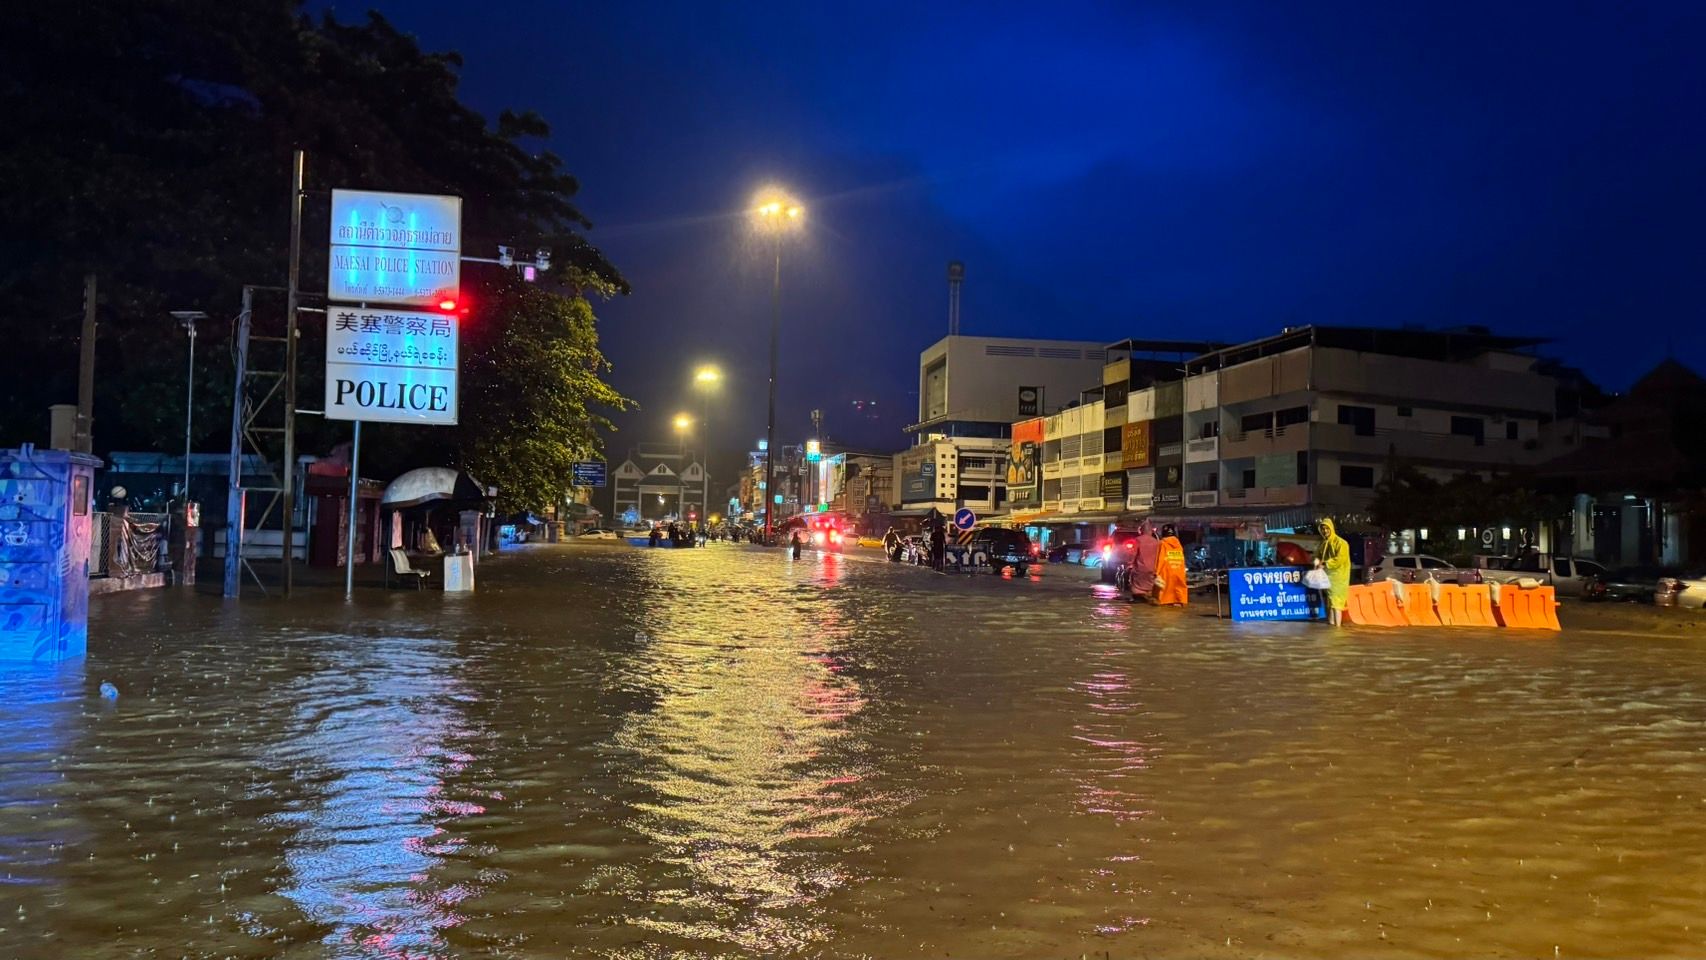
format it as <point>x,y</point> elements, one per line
<point>1268,593</point>
<point>589,473</point>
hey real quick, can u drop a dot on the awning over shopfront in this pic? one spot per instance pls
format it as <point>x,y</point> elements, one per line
<point>426,485</point>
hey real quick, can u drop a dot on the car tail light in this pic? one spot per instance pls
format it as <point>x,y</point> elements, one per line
<point>1036,549</point>
<point>1131,544</point>
<point>835,536</point>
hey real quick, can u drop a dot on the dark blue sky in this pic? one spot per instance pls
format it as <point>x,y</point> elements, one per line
<point>1168,169</point>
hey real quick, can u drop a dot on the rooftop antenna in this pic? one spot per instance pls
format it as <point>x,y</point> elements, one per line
<point>956,275</point>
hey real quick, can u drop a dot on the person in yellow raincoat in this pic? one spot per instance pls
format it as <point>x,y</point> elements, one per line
<point>1171,589</point>
<point>1335,557</point>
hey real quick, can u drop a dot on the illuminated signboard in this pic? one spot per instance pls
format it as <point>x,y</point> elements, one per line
<point>390,366</point>
<point>397,248</point>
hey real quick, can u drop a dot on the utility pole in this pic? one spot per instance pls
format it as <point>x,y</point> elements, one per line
<point>84,434</point>
<point>289,494</point>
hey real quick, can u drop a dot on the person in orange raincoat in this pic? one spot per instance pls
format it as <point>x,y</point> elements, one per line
<point>1170,570</point>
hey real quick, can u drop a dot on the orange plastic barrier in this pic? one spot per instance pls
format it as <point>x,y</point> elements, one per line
<point>1419,606</point>
<point>1532,609</point>
<point>1374,605</point>
<point>1466,606</point>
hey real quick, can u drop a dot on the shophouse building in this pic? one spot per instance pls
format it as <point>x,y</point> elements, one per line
<point>970,392</point>
<point>1280,432</point>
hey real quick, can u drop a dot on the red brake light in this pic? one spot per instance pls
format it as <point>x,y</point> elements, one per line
<point>447,305</point>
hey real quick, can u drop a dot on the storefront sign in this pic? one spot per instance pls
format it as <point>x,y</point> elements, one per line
<point>390,366</point>
<point>400,248</point>
<point>918,482</point>
<point>1134,445</point>
<point>1030,401</point>
<point>1113,486</point>
<point>1268,593</point>
<point>1024,466</point>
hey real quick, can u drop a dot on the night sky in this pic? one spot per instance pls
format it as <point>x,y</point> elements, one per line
<point>1194,170</point>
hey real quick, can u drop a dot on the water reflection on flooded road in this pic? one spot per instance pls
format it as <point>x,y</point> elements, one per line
<point>631,753</point>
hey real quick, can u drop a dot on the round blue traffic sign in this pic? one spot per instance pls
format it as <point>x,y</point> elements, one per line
<point>964,518</point>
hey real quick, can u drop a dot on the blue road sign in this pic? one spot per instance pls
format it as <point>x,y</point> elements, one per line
<point>1268,593</point>
<point>589,473</point>
<point>964,518</point>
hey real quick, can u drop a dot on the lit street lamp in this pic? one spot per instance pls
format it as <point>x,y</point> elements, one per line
<point>705,379</point>
<point>187,319</point>
<point>777,214</point>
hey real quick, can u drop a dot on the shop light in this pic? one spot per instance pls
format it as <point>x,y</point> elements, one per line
<point>1423,532</point>
<point>1462,534</point>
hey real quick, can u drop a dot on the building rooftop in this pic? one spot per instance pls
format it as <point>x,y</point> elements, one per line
<point>1464,343</point>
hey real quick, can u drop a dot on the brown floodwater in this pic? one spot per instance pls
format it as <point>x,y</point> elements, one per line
<point>617,752</point>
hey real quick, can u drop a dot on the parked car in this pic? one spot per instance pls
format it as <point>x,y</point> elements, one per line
<point>1415,567</point>
<point>1634,584</point>
<point>1072,553</point>
<point>1691,589</point>
<point>1566,575</point>
<point>599,533</point>
<point>999,547</point>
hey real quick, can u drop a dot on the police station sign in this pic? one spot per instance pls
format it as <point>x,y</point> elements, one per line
<point>394,248</point>
<point>391,366</point>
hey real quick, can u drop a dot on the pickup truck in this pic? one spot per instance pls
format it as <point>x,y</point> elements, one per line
<point>1565,575</point>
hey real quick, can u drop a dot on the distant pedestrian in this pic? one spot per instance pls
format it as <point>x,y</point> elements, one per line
<point>796,543</point>
<point>655,536</point>
<point>938,546</point>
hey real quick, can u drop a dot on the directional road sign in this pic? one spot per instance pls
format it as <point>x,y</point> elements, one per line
<point>964,518</point>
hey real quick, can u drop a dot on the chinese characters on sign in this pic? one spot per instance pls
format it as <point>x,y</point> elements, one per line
<point>1268,593</point>
<point>392,366</point>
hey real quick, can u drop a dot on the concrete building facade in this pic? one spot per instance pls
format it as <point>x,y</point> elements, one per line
<point>970,392</point>
<point>659,481</point>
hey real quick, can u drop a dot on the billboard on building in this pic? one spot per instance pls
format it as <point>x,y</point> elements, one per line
<point>1024,467</point>
<point>1134,445</point>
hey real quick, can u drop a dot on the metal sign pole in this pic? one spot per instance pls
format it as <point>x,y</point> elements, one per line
<point>289,497</point>
<point>354,513</point>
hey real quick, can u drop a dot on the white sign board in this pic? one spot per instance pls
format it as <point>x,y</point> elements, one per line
<point>390,366</point>
<point>402,248</point>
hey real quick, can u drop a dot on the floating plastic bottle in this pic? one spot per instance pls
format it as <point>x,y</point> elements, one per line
<point>108,691</point>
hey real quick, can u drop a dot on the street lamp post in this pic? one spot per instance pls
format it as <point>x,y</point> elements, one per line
<point>774,214</point>
<point>682,423</point>
<point>705,379</point>
<point>188,318</point>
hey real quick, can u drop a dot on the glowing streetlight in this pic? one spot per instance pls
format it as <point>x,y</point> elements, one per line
<point>707,374</point>
<point>683,422</point>
<point>775,213</point>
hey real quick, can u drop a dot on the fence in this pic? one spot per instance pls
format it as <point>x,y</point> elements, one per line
<point>124,545</point>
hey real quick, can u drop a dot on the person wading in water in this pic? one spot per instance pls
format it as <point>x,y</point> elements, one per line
<point>1335,557</point>
<point>1170,571</point>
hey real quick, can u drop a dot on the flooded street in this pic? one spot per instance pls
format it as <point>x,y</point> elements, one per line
<point>628,753</point>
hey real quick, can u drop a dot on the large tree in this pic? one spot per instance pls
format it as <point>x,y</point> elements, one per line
<point>150,143</point>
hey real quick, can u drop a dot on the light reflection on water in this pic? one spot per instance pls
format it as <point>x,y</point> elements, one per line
<point>636,754</point>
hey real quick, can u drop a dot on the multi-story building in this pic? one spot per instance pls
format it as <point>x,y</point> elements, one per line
<point>1282,431</point>
<point>659,481</point>
<point>970,391</point>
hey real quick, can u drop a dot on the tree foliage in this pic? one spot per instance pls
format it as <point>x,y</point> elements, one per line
<point>1407,499</point>
<point>151,143</point>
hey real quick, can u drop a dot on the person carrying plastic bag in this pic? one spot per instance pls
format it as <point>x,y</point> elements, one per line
<point>1335,558</point>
